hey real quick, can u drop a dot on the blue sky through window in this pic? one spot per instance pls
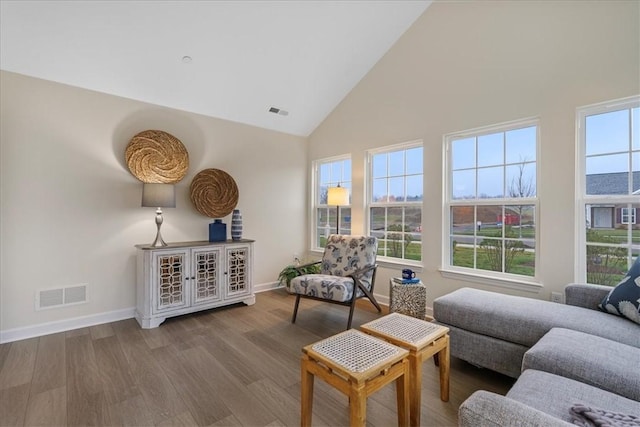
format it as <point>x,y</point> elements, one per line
<point>489,166</point>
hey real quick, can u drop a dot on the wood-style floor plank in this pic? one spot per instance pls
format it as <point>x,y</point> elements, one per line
<point>19,364</point>
<point>198,395</point>
<point>13,405</point>
<point>118,384</point>
<point>161,397</point>
<point>50,367</point>
<point>230,391</point>
<point>47,408</point>
<point>130,412</point>
<point>182,419</point>
<point>84,384</point>
<point>285,407</point>
<point>101,331</point>
<point>234,366</point>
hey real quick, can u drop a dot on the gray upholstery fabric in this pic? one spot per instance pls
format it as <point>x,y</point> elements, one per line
<point>486,409</point>
<point>603,363</point>
<point>525,320</point>
<point>586,296</point>
<point>498,355</point>
<point>556,395</point>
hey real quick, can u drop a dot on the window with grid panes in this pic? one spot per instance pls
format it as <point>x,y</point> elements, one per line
<point>608,183</point>
<point>330,173</point>
<point>491,200</point>
<point>395,201</point>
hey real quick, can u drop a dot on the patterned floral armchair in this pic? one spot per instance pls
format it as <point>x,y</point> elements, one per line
<point>347,273</point>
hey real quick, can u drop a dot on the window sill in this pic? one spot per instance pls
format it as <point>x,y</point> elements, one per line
<point>501,282</point>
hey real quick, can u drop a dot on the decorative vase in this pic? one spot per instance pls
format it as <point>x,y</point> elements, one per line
<point>217,231</point>
<point>236,225</point>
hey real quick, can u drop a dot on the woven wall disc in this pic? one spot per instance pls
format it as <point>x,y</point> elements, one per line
<point>157,157</point>
<point>214,193</point>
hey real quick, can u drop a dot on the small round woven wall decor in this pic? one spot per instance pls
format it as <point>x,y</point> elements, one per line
<point>157,157</point>
<point>214,193</point>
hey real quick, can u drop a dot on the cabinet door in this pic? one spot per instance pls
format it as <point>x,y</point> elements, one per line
<point>168,280</point>
<point>238,271</point>
<point>205,278</point>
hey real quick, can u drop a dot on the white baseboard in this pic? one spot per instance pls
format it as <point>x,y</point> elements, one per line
<point>65,325</point>
<point>111,316</point>
<point>263,287</point>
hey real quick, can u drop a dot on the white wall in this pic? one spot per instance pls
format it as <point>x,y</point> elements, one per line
<point>468,64</point>
<point>70,210</point>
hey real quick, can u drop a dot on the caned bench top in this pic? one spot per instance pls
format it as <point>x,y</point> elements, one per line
<point>355,354</point>
<point>405,331</point>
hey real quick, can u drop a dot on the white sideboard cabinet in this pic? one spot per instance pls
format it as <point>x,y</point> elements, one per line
<point>191,276</point>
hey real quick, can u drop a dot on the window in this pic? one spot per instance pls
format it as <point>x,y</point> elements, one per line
<point>330,173</point>
<point>608,190</point>
<point>491,201</point>
<point>627,215</point>
<point>395,201</point>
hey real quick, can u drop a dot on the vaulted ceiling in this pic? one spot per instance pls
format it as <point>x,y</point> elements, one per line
<point>227,59</point>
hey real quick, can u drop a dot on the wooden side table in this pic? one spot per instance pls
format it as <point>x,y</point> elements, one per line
<point>409,299</point>
<point>358,365</point>
<point>423,340</point>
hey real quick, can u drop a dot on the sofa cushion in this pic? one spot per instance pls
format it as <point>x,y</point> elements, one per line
<point>487,409</point>
<point>589,359</point>
<point>556,395</point>
<point>525,320</point>
<point>491,353</point>
<point>624,299</point>
<point>325,286</point>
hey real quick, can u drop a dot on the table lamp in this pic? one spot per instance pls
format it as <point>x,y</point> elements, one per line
<point>158,196</point>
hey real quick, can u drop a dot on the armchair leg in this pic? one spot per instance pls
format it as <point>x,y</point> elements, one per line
<point>295,309</point>
<point>351,308</point>
<point>371,297</point>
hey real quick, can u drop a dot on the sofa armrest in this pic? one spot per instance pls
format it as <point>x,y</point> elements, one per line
<point>484,408</point>
<point>584,295</point>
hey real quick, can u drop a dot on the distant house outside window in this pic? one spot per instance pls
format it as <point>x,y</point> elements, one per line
<point>330,173</point>
<point>395,176</point>
<point>491,201</point>
<point>608,190</point>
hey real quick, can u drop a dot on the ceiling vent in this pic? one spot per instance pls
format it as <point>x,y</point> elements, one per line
<point>278,111</point>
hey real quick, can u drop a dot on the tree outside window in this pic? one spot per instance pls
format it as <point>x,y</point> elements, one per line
<point>492,199</point>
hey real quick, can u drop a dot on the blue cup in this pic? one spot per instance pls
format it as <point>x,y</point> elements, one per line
<point>408,273</point>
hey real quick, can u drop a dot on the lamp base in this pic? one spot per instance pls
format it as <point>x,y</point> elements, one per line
<point>158,242</point>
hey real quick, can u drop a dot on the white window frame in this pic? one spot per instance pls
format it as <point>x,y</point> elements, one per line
<point>583,199</point>
<point>487,277</point>
<point>315,205</point>
<point>629,213</point>
<point>386,260</point>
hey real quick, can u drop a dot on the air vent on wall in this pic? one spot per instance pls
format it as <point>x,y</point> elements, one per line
<point>70,295</point>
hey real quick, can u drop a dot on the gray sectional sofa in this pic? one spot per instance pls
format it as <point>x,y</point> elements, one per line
<point>567,357</point>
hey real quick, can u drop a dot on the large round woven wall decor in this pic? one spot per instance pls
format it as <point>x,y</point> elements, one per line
<point>214,193</point>
<point>157,157</point>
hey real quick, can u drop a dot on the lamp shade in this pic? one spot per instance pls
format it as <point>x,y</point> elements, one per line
<point>338,196</point>
<point>158,196</point>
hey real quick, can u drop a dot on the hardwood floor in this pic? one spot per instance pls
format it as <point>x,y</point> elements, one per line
<point>234,366</point>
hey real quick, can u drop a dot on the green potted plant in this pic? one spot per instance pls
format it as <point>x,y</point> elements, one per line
<point>291,271</point>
